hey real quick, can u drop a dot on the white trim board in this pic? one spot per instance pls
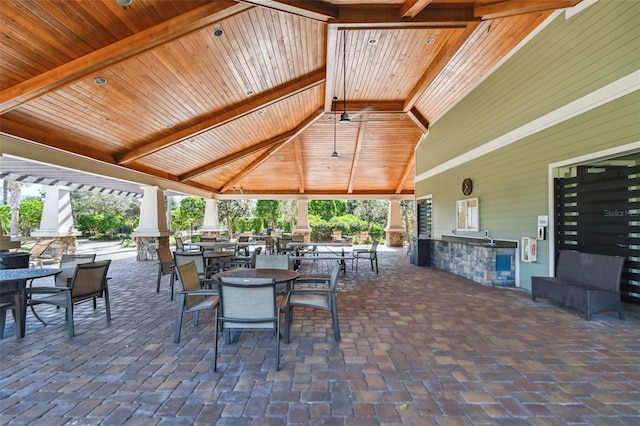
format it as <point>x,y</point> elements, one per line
<point>604,95</point>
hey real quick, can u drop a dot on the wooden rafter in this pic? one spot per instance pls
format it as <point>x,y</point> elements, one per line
<point>411,8</point>
<point>362,128</point>
<point>419,120</point>
<point>282,140</point>
<point>218,118</point>
<point>520,7</point>
<point>444,55</point>
<point>316,10</point>
<point>297,152</point>
<point>119,51</point>
<point>405,174</point>
<point>391,16</point>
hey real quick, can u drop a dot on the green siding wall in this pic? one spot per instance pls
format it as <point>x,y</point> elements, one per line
<point>567,60</point>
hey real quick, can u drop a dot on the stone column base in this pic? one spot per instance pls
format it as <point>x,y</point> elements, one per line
<point>146,247</point>
<point>209,234</point>
<point>305,234</point>
<point>395,238</point>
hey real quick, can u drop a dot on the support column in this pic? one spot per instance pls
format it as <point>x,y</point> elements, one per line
<point>211,222</point>
<point>57,222</point>
<point>394,229</point>
<point>152,232</point>
<point>302,227</point>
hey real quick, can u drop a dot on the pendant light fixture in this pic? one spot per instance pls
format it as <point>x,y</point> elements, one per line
<point>335,124</point>
<point>344,117</point>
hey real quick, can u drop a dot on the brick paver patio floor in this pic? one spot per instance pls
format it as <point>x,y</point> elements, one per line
<point>420,346</point>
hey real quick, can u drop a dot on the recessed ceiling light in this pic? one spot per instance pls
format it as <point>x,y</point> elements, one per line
<point>168,125</point>
<point>260,112</point>
<point>249,92</point>
<point>124,2</point>
<point>218,32</point>
<point>281,158</point>
<point>402,116</point>
<point>431,40</point>
<point>373,41</point>
<point>100,81</point>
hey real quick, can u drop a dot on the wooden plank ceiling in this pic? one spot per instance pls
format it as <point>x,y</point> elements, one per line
<point>244,97</point>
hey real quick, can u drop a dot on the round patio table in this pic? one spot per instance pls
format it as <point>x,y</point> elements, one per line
<point>13,282</point>
<point>279,275</point>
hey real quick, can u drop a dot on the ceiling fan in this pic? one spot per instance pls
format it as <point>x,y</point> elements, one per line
<point>345,118</point>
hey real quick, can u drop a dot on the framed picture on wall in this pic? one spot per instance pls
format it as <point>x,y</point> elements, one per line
<point>467,215</point>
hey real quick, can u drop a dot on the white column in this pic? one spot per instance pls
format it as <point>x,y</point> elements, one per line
<point>302,227</point>
<point>153,221</point>
<point>57,218</point>
<point>394,229</point>
<point>211,221</point>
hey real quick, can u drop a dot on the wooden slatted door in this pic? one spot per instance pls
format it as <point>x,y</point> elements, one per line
<point>598,211</point>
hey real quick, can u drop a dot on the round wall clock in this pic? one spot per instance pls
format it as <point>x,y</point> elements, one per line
<point>467,186</point>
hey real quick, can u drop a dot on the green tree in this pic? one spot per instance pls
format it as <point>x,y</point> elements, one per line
<point>270,211</point>
<point>230,211</point>
<point>189,215</point>
<point>5,217</point>
<point>372,211</point>
<point>29,215</point>
<point>327,209</point>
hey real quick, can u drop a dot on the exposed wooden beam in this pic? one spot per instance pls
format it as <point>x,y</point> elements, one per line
<point>372,106</point>
<point>362,128</point>
<point>520,7</point>
<point>297,152</point>
<point>411,8</point>
<point>419,120</point>
<point>287,137</point>
<point>233,157</point>
<point>319,11</point>
<point>63,142</point>
<point>119,51</point>
<point>449,49</point>
<point>391,16</point>
<point>405,174</point>
<point>218,118</point>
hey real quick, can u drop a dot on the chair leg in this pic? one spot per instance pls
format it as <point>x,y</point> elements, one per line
<point>196,316</point>
<point>33,310</point>
<point>336,324</point>
<point>215,340</point>
<point>176,337</point>
<point>278,342</point>
<point>107,303</point>
<point>159,279</point>
<point>172,282</point>
<point>3,319</point>
<point>287,323</point>
<point>72,331</point>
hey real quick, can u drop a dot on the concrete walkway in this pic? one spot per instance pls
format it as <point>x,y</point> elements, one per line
<point>419,347</point>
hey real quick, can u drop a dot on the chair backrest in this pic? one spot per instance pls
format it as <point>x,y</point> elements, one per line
<point>248,302</point>
<point>268,240</point>
<point>179,244</point>
<point>68,263</point>
<point>254,255</point>
<point>243,239</point>
<point>272,261</point>
<point>297,238</point>
<point>374,246</point>
<point>282,243</point>
<point>208,239</point>
<point>184,257</point>
<point>39,248</point>
<point>189,281</point>
<point>89,280</point>
<point>165,259</point>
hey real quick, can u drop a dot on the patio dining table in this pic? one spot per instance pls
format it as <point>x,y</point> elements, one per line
<point>13,282</point>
